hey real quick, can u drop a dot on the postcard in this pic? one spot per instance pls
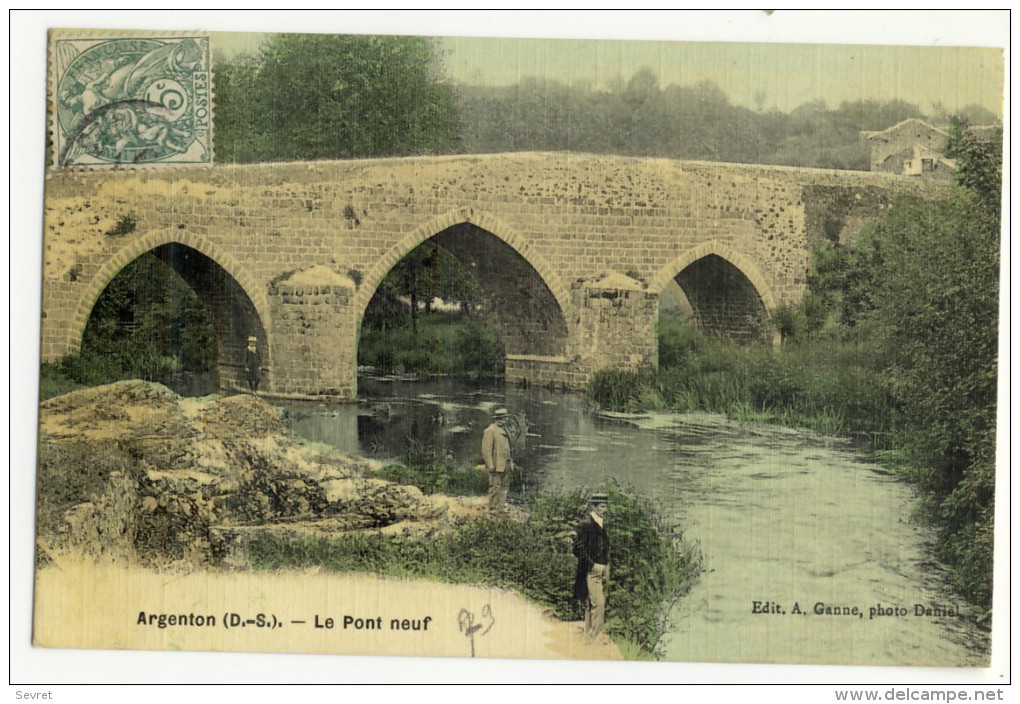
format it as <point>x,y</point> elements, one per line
<point>466,347</point>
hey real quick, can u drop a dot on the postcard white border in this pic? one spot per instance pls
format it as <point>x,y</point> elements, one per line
<point>27,129</point>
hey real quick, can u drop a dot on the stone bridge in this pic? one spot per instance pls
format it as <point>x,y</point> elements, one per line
<point>572,251</point>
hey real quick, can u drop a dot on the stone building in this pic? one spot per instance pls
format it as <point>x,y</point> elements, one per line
<point>912,148</point>
<point>915,148</point>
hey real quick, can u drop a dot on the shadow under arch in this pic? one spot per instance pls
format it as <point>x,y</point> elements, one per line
<point>728,293</point>
<point>522,296</point>
<point>233,301</point>
<point>437,226</point>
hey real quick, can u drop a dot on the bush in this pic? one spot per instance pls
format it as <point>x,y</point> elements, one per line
<point>617,389</point>
<point>445,343</point>
<point>439,478</point>
<point>477,349</point>
<point>648,571</point>
<point>822,383</point>
<point>773,384</point>
<point>676,341</point>
<point>54,381</point>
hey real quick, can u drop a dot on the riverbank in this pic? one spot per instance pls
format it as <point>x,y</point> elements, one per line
<point>931,424</point>
<point>134,477</point>
<point>131,471</point>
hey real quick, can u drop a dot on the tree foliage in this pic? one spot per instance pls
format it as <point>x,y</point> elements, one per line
<point>938,327</point>
<point>427,272</point>
<point>147,324</point>
<point>330,96</point>
<point>640,117</point>
<point>311,96</point>
<point>919,296</point>
<point>979,162</point>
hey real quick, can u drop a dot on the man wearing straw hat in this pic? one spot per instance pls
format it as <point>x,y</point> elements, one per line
<point>591,548</point>
<point>253,364</point>
<point>496,455</point>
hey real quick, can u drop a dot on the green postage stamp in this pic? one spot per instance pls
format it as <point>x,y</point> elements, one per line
<point>130,99</point>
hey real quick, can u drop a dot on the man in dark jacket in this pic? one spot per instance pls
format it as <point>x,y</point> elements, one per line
<point>253,364</point>
<point>591,548</point>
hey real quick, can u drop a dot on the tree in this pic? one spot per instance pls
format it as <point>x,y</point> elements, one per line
<point>310,96</point>
<point>413,277</point>
<point>936,314</point>
<point>875,114</point>
<point>642,87</point>
<point>147,323</point>
<point>637,117</point>
<point>937,321</point>
<point>429,271</point>
<point>978,162</point>
<point>978,114</point>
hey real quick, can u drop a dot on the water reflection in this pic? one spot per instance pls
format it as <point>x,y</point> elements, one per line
<point>447,417</point>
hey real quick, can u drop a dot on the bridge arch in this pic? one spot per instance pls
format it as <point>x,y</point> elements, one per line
<point>483,221</point>
<point>236,284</point>
<point>715,260</point>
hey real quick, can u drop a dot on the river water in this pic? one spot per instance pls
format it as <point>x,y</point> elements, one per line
<point>789,522</point>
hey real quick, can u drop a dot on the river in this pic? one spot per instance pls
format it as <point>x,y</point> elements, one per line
<point>790,523</point>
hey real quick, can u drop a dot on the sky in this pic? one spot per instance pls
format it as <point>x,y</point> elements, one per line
<point>943,66</point>
<point>782,76</point>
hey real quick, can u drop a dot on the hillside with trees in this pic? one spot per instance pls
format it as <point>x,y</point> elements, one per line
<point>336,97</point>
<point>640,118</point>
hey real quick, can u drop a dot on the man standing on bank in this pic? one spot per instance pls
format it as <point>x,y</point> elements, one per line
<point>253,364</point>
<point>591,548</point>
<point>496,455</point>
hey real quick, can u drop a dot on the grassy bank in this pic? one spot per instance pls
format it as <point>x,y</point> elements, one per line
<point>829,390</point>
<point>440,478</point>
<point>650,565</point>
<point>89,369</point>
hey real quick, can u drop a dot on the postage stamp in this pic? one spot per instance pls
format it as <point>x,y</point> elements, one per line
<point>130,99</point>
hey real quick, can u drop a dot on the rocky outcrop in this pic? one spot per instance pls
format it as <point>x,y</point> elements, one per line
<point>131,471</point>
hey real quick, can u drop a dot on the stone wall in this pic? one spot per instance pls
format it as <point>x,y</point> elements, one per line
<point>310,351</point>
<point>548,225</point>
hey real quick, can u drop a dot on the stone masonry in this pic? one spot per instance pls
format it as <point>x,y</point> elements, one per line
<point>572,251</point>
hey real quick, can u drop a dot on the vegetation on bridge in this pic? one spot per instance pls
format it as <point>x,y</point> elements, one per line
<point>896,336</point>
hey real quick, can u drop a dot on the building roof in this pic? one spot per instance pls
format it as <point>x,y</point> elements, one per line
<point>899,125</point>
